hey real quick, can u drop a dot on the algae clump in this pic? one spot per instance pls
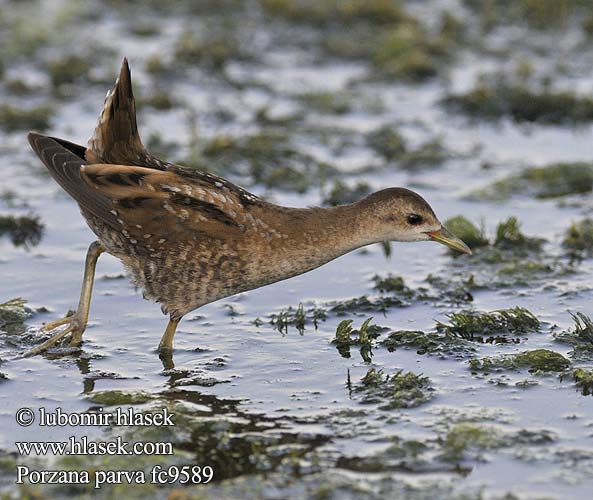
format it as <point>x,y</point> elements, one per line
<point>579,236</point>
<point>584,380</point>
<point>550,181</point>
<point>461,227</point>
<point>538,360</point>
<point>473,325</point>
<point>400,390</point>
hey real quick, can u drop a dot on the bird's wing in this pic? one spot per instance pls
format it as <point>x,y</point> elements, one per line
<point>64,159</point>
<point>156,204</point>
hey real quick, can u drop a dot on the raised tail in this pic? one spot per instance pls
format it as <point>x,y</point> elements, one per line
<point>116,138</point>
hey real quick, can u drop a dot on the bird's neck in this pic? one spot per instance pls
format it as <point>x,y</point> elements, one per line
<point>327,233</point>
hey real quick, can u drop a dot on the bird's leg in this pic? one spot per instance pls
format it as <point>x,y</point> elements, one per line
<point>166,343</point>
<point>76,322</point>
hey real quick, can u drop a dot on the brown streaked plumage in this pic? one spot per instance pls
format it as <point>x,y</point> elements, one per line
<point>189,238</point>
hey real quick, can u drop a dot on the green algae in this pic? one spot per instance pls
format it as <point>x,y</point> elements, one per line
<point>26,230</point>
<point>342,194</point>
<point>117,398</point>
<point>473,236</point>
<point>508,234</point>
<point>427,343</point>
<point>327,102</point>
<point>584,380</point>
<point>297,317</point>
<point>68,70</point>
<point>387,142</point>
<point>160,100</point>
<point>580,338</point>
<point>550,181</point>
<point>362,337</point>
<point>467,438</point>
<point>400,390</point>
<point>393,285</point>
<point>13,118</point>
<point>408,53</point>
<point>212,52</point>
<point>579,236</point>
<point>13,314</point>
<point>327,12</point>
<point>493,326</point>
<point>365,304</point>
<point>541,15</point>
<point>494,101</point>
<point>537,360</point>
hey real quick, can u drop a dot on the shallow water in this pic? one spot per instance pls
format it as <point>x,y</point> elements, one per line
<point>285,405</point>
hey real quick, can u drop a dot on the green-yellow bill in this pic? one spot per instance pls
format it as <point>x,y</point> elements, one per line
<point>449,239</point>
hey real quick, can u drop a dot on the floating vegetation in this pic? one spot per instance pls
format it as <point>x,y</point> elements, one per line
<point>550,181</point>
<point>579,236</point>
<point>118,398</point>
<point>160,100</point>
<point>537,14</point>
<point>342,194</point>
<point>491,327</point>
<point>387,142</point>
<point>17,118</point>
<point>347,337</point>
<point>328,12</point>
<point>407,52</point>
<point>13,314</point>
<point>268,158</point>
<point>584,380</point>
<point>212,51</point>
<point>580,338</point>
<point>538,360</point>
<point>68,70</point>
<point>393,285</point>
<point>365,304</point>
<point>327,102</point>
<point>428,343</point>
<point>468,438</point>
<point>25,230</point>
<point>508,234</point>
<point>473,236</point>
<point>297,317</point>
<point>400,390</point>
<point>493,101</point>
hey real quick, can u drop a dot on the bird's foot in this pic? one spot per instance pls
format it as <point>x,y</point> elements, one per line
<point>75,326</point>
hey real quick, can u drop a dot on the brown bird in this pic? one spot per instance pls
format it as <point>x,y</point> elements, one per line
<point>188,238</point>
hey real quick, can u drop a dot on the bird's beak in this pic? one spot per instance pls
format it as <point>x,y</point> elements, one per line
<point>449,239</point>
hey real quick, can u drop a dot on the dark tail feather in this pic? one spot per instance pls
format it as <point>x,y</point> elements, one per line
<point>63,159</point>
<point>116,139</point>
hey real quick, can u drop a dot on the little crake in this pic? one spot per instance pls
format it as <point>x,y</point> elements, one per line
<point>188,238</point>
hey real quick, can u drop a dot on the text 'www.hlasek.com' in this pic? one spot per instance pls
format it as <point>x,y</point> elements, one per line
<point>161,474</point>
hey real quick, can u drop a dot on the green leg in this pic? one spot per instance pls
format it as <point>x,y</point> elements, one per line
<point>78,321</point>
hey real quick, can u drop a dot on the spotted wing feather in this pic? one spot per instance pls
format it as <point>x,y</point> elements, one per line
<point>155,205</point>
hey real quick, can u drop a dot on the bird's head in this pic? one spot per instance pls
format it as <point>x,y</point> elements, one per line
<point>398,214</point>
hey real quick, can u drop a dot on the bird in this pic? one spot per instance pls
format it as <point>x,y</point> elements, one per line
<point>187,237</point>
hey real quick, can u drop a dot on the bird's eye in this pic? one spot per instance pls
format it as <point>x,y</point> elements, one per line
<point>414,219</point>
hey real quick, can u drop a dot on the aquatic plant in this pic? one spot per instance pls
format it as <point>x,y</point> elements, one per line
<point>584,380</point>
<point>68,69</point>
<point>13,314</point>
<point>347,337</point>
<point>489,326</point>
<point>13,118</point>
<point>538,360</point>
<point>400,390</point>
<point>25,230</point>
<point>428,343</point>
<point>473,236</point>
<point>508,234</point>
<point>464,438</point>
<point>487,100</point>
<point>579,236</point>
<point>342,193</point>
